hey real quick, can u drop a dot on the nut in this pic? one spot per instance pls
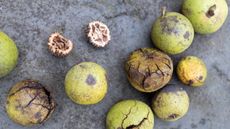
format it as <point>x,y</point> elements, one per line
<point>86,83</point>
<point>149,69</point>
<point>98,34</point>
<point>172,32</point>
<point>192,71</point>
<point>29,103</point>
<point>171,103</point>
<point>206,16</point>
<point>130,114</point>
<point>59,46</point>
<point>8,54</point>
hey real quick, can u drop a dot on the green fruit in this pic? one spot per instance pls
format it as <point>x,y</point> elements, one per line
<point>171,103</point>
<point>29,103</point>
<point>207,16</point>
<point>130,114</point>
<point>192,71</point>
<point>172,33</point>
<point>149,69</point>
<point>8,54</point>
<point>86,83</point>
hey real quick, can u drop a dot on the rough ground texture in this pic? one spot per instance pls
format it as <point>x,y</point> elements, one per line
<point>30,22</point>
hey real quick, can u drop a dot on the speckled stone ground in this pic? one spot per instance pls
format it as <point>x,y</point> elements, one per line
<point>30,22</point>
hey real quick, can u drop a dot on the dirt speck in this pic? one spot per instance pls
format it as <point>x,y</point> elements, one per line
<point>82,66</point>
<point>90,80</point>
<point>186,35</point>
<point>190,82</point>
<point>172,116</point>
<point>38,115</point>
<point>201,77</point>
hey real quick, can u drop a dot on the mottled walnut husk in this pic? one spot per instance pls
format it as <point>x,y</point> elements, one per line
<point>29,103</point>
<point>149,69</point>
<point>98,34</point>
<point>59,46</point>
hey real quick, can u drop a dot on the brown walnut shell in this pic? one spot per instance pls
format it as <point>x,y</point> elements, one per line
<point>59,46</point>
<point>98,34</point>
<point>149,69</point>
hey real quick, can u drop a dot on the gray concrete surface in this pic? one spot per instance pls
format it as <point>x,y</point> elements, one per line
<point>30,22</point>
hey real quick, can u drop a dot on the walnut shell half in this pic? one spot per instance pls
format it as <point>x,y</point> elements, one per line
<point>98,34</point>
<point>59,46</point>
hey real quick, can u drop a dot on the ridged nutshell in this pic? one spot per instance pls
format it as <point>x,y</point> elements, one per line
<point>29,103</point>
<point>59,46</point>
<point>98,34</point>
<point>149,69</point>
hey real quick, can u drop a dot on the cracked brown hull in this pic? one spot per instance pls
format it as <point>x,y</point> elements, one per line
<point>148,69</point>
<point>30,99</point>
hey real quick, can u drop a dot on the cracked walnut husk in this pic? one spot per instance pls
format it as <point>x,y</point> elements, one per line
<point>130,114</point>
<point>98,34</point>
<point>149,69</point>
<point>29,103</point>
<point>59,46</point>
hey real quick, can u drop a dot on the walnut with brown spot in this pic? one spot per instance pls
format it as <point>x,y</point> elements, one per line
<point>171,103</point>
<point>59,46</point>
<point>29,103</point>
<point>206,16</point>
<point>192,71</point>
<point>98,34</point>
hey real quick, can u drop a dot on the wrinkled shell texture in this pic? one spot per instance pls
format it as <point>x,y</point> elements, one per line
<point>192,71</point>
<point>29,103</point>
<point>172,33</point>
<point>171,103</point>
<point>8,54</point>
<point>59,46</point>
<point>86,83</point>
<point>130,114</point>
<point>98,34</point>
<point>204,20</point>
<point>149,69</point>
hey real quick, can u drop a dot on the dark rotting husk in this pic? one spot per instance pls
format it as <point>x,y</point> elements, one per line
<point>32,101</point>
<point>149,69</point>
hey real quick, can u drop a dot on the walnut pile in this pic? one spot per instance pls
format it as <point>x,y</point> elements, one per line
<point>98,34</point>
<point>59,46</point>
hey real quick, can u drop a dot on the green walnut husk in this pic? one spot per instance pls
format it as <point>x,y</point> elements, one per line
<point>29,103</point>
<point>130,114</point>
<point>8,54</point>
<point>172,32</point>
<point>149,69</point>
<point>171,103</point>
<point>192,71</point>
<point>207,16</point>
<point>86,83</point>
